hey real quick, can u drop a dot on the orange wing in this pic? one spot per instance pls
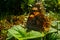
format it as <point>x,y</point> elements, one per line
<point>37,20</point>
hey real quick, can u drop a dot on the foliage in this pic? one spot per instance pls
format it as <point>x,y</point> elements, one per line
<point>51,5</point>
<point>20,33</point>
<point>17,7</point>
<point>9,9</point>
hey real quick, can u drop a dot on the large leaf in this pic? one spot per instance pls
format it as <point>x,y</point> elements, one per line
<point>20,33</point>
<point>34,34</point>
<point>17,31</point>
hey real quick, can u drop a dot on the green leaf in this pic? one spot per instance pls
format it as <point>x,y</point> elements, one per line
<point>17,32</point>
<point>54,23</point>
<point>34,34</point>
<point>9,36</point>
<point>58,1</point>
<point>58,35</point>
<point>52,30</point>
<point>58,26</point>
<point>20,33</point>
<point>51,34</point>
<point>30,2</point>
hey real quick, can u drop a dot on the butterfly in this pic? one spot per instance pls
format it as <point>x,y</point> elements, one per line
<point>37,20</point>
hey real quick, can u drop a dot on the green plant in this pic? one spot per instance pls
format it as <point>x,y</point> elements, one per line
<point>19,33</point>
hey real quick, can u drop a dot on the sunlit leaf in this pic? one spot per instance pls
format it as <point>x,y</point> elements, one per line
<point>54,23</point>
<point>52,30</point>
<point>34,34</point>
<point>20,33</point>
<point>17,31</point>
